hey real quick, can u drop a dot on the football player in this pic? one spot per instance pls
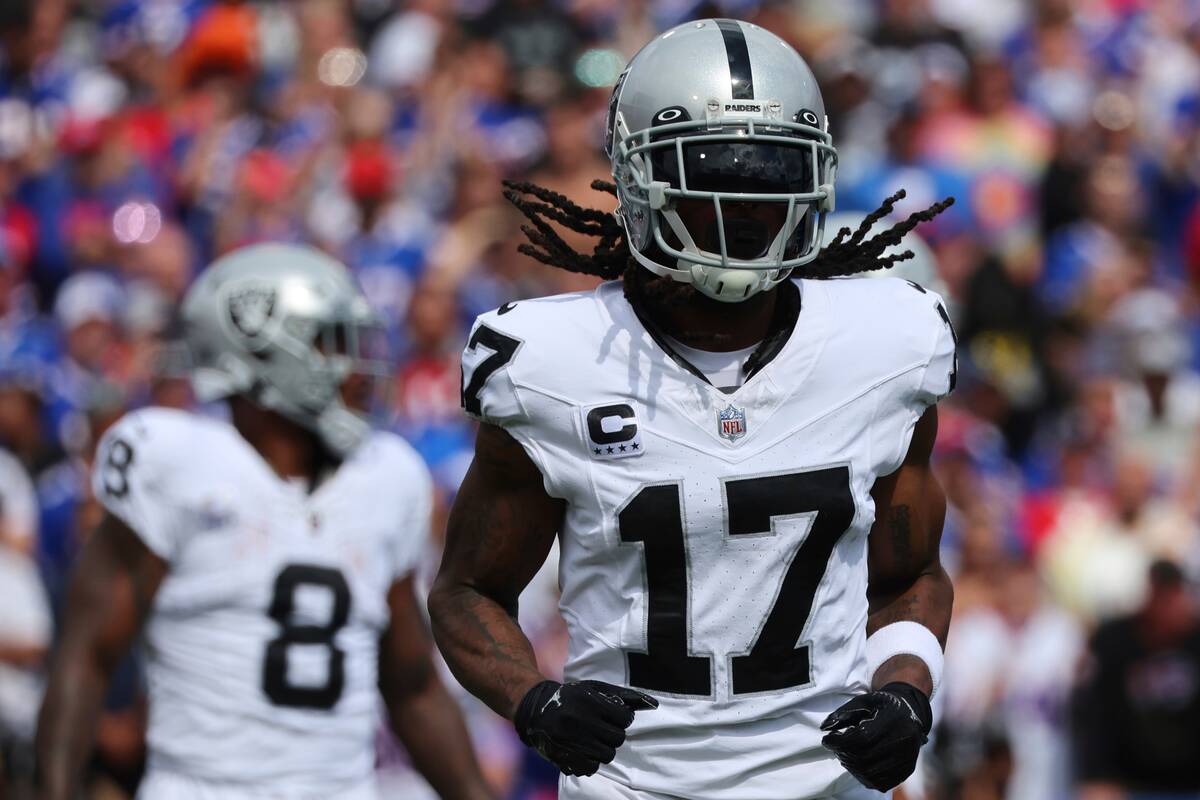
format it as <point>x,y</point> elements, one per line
<point>269,560</point>
<point>733,453</point>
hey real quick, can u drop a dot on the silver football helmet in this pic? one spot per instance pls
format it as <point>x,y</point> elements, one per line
<point>723,121</point>
<point>284,325</point>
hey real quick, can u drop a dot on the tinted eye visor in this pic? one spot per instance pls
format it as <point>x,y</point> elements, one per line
<point>357,340</point>
<point>750,167</point>
<point>357,348</point>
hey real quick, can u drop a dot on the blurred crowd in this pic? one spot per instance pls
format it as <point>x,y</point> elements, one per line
<point>140,139</point>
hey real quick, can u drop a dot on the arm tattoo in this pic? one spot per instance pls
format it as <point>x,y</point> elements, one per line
<point>900,525</point>
<point>486,616</point>
<point>500,529</point>
<point>907,581</point>
<point>906,606</point>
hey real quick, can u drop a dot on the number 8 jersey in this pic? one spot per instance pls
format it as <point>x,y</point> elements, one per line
<point>714,550</point>
<point>262,642</point>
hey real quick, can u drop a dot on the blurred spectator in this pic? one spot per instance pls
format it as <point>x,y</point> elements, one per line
<point>64,489</point>
<point>25,627</point>
<point>1097,553</point>
<point>1005,333</point>
<point>25,427</point>
<point>1158,401</point>
<point>1010,668</point>
<point>1001,143</point>
<point>88,311</point>
<point>904,166</point>
<point>909,24</point>
<point>402,53</point>
<point>428,385</point>
<point>540,42</point>
<point>25,336</point>
<point>1137,713</point>
<point>1097,249</point>
<point>18,505</point>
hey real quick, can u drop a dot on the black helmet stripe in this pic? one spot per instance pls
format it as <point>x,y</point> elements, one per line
<point>740,76</point>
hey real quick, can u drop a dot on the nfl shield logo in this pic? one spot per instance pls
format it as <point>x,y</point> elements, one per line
<point>731,423</point>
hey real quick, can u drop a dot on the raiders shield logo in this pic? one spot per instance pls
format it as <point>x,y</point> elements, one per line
<point>731,423</point>
<point>250,308</point>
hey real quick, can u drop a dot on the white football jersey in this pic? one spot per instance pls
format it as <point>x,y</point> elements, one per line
<point>714,552</point>
<point>263,639</point>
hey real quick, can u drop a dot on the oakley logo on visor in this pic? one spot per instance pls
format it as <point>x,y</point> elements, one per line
<point>806,117</point>
<point>672,114</point>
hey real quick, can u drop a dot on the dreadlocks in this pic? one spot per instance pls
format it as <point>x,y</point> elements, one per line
<point>850,252</point>
<point>611,255</point>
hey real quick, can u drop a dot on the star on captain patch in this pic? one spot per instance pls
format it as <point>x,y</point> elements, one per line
<point>731,423</point>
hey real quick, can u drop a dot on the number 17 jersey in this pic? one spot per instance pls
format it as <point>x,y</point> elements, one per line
<point>714,549</point>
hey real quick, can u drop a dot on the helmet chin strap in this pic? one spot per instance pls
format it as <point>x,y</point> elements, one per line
<point>341,429</point>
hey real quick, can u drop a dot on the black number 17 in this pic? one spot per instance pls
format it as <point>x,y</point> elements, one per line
<point>775,661</point>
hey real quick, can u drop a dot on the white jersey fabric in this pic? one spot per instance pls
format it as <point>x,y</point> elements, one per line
<point>714,550</point>
<point>598,787</point>
<point>723,369</point>
<point>262,642</point>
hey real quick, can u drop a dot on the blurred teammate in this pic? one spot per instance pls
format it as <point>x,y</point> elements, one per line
<point>736,461</point>
<point>269,558</point>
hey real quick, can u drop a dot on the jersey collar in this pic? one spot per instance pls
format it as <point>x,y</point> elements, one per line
<point>779,333</point>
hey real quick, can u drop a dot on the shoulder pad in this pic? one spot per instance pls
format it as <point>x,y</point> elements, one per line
<point>405,492</point>
<point>513,345</point>
<point>137,461</point>
<point>393,458</point>
<point>903,323</point>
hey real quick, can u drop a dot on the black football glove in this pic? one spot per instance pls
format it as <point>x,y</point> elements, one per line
<point>578,726</point>
<point>878,735</point>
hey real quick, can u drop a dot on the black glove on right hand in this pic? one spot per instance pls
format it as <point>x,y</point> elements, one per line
<point>578,726</point>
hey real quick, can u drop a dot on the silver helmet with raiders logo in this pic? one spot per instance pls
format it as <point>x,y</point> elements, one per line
<point>284,325</point>
<point>722,157</point>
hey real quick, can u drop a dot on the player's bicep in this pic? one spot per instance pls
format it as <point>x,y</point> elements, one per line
<point>502,524</point>
<point>910,509</point>
<point>112,591</point>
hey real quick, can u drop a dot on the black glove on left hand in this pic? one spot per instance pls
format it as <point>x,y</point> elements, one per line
<point>878,735</point>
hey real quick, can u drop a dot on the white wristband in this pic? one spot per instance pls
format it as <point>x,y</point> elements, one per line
<point>905,638</point>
